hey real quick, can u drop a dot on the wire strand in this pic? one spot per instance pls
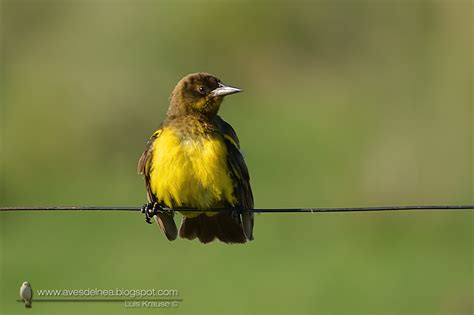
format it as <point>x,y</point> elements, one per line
<point>281,210</point>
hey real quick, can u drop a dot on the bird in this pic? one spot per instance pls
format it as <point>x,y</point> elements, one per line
<point>26,293</point>
<point>194,161</point>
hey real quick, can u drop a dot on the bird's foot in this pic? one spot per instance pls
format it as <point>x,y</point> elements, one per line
<point>150,210</point>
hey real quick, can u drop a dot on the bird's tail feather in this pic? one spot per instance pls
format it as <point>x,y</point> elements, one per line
<point>247,223</point>
<point>223,226</point>
<point>166,223</point>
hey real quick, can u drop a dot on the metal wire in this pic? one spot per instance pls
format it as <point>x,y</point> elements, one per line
<point>282,210</point>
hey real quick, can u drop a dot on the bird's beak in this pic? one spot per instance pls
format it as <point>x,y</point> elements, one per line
<point>223,90</point>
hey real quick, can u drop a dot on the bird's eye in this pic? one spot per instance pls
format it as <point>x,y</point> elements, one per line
<point>202,90</point>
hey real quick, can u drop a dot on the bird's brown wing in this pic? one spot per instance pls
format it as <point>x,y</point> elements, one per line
<point>164,220</point>
<point>240,173</point>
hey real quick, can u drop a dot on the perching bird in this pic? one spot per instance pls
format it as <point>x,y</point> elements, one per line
<point>194,161</point>
<point>26,293</point>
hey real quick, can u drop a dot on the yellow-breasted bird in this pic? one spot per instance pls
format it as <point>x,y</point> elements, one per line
<point>194,161</point>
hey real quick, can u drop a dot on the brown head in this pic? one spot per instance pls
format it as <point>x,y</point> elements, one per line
<point>200,93</point>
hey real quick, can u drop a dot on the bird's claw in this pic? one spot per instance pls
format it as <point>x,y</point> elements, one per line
<point>150,210</point>
<point>153,208</point>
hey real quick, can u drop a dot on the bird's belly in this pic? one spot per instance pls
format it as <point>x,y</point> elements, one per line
<point>190,172</point>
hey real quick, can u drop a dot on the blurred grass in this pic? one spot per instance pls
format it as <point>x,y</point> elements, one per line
<point>346,103</point>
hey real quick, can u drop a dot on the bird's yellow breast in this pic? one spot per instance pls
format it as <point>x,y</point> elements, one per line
<point>190,172</point>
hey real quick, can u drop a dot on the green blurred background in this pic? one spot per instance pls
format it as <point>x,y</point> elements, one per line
<point>346,103</point>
